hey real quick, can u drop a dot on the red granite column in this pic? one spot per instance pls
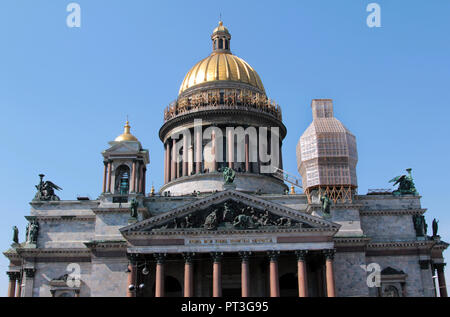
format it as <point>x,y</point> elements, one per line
<point>159,284</point>
<point>141,179</point>
<point>329,256</point>
<point>133,177</point>
<point>188,275</point>
<point>105,172</point>
<point>217,274</point>
<point>131,281</point>
<point>441,279</point>
<point>245,274</point>
<point>12,283</point>
<point>301,271</point>
<point>274,280</point>
<point>138,177</point>
<point>109,176</point>
<point>19,285</point>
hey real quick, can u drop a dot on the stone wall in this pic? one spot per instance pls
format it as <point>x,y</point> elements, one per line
<point>350,277</point>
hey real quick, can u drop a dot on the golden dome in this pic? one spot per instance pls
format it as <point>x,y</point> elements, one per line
<point>221,65</point>
<point>126,136</point>
<point>221,28</point>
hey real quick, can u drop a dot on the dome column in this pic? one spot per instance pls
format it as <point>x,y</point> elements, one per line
<point>230,148</point>
<point>213,151</point>
<point>247,163</point>
<point>166,163</point>
<point>173,165</point>
<point>198,150</point>
<point>185,156</point>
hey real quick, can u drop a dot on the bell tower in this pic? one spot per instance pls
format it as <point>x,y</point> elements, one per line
<point>124,167</point>
<point>327,156</point>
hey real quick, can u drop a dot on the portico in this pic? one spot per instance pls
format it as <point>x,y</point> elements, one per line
<point>202,250</point>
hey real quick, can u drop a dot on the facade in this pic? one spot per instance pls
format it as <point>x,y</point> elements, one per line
<point>225,223</point>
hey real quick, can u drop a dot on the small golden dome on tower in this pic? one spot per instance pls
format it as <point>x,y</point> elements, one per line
<point>221,28</point>
<point>126,136</point>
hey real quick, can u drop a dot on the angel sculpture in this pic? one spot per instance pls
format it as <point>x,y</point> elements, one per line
<point>405,184</point>
<point>435,227</point>
<point>228,175</point>
<point>46,190</point>
<point>15,234</point>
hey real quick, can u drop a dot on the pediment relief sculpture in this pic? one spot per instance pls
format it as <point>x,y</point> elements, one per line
<point>231,215</point>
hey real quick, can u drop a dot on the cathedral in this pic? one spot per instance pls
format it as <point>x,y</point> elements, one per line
<point>228,220</point>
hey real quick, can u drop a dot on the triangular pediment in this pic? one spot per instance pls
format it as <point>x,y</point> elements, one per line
<point>230,210</point>
<point>123,147</point>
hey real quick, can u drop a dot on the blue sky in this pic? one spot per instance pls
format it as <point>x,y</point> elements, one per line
<point>65,92</point>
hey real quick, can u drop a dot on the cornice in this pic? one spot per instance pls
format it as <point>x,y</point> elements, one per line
<point>62,217</point>
<point>201,232</point>
<point>401,244</point>
<point>393,212</point>
<point>106,244</point>
<point>117,210</point>
<point>54,252</point>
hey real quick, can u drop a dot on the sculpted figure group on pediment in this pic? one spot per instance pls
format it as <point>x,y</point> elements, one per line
<point>230,215</point>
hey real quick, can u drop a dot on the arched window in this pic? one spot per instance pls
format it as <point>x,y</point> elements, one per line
<point>220,44</point>
<point>122,180</point>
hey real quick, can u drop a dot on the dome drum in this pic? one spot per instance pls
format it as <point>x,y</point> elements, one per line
<point>211,182</point>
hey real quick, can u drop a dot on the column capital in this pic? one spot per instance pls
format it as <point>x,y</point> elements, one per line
<point>160,257</point>
<point>133,258</point>
<point>13,275</point>
<point>439,265</point>
<point>424,264</point>
<point>273,255</point>
<point>301,254</point>
<point>188,257</point>
<point>329,254</point>
<point>245,255</point>
<point>29,272</point>
<point>217,256</point>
